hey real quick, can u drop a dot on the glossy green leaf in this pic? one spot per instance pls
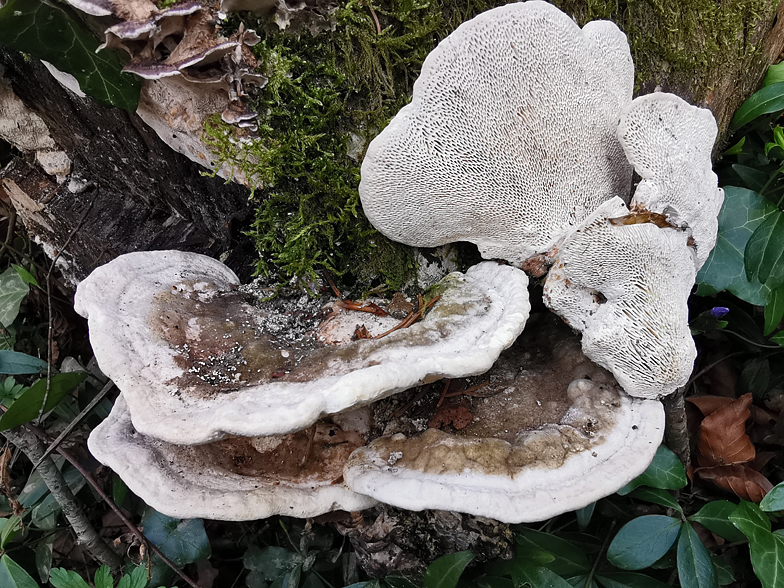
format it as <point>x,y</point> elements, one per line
<point>695,568</point>
<point>446,570</point>
<point>12,575</point>
<point>765,248</point>
<point>399,582</point>
<point>119,490</point>
<point>706,322</point>
<point>13,289</point>
<point>52,32</point>
<point>28,404</point>
<point>755,378</point>
<point>774,500</point>
<point>656,496</point>
<point>751,178</point>
<point>628,580</point>
<point>269,564</point>
<point>774,310</point>
<point>642,541</point>
<point>582,581</point>
<point>14,363</point>
<point>25,275</point>
<point>136,579</point>
<point>665,472</point>
<point>767,549</point>
<point>774,75</point>
<point>724,572</point>
<point>568,560</point>
<point>538,577</point>
<point>584,515</point>
<point>9,529</point>
<point>743,211</point>
<point>62,578</point>
<point>365,584</point>
<point>737,148</point>
<point>768,99</point>
<point>778,338</point>
<point>493,582</point>
<point>714,516</point>
<point>183,541</point>
<point>103,577</point>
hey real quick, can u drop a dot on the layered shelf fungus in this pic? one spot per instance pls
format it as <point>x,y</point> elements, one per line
<point>551,432</point>
<point>196,362</point>
<point>237,478</point>
<point>521,137</point>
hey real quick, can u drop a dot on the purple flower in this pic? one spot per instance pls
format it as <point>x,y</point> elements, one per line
<point>719,311</point>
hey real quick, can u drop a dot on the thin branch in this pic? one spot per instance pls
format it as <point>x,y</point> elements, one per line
<point>32,447</point>
<point>676,431</point>
<point>50,337</point>
<point>56,443</point>
<point>750,342</point>
<point>131,527</point>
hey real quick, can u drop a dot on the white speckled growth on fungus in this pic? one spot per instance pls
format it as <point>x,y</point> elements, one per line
<point>544,440</point>
<point>669,143</point>
<point>235,479</point>
<point>195,363</point>
<point>510,139</point>
<point>625,288</point>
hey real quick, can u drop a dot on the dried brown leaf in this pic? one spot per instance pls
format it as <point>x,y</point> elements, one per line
<point>5,482</point>
<point>458,416</point>
<point>740,479</point>
<point>723,438</point>
<point>709,404</point>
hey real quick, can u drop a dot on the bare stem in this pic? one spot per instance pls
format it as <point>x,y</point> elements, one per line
<point>676,432</point>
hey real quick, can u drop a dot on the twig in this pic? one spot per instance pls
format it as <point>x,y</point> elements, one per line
<point>50,337</point>
<point>469,391</point>
<point>31,446</point>
<point>443,394</point>
<point>375,19</point>
<point>402,410</point>
<point>131,527</point>
<point>55,444</point>
<point>411,318</point>
<point>332,285</point>
<point>750,342</point>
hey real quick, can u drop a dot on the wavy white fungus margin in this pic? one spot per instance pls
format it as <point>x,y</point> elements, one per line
<point>534,492</point>
<point>669,143</point>
<point>172,479</point>
<point>510,139</point>
<point>625,288</point>
<point>479,315</point>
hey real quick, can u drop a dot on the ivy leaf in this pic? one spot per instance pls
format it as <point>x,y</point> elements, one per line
<point>714,516</point>
<point>695,568</point>
<point>14,363</point>
<point>12,575</point>
<point>628,580</point>
<point>768,99</point>
<point>743,211</point>
<point>765,247</point>
<point>446,570</point>
<point>642,541</point>
<point>538,577</point>
<point>27,406</point>
<point>182,541</point>
<point>52,32</point>
<point>13,289</point>
<point>665,472</point>
<point>656,496</point>
<point>774,500</point>
<point>767,549</point>
<point>567,559</point>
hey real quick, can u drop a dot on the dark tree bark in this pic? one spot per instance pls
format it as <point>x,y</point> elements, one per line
<point>132,191</point>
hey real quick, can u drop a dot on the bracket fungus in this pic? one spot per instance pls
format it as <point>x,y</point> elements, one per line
<point>234,479</point>
<point>552,433</point>
<point>195,362</point>
<point>521,131</point>
<point>514,114</point>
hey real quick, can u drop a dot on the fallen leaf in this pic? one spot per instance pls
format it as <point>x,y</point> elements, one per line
<point>709,404</point>
<point>723,438</point>
<point>458,416</point>
<point>740,479</point>
<point>5,482</point>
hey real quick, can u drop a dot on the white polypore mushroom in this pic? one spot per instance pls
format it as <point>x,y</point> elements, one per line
<point>552,434</point>
<point>195,362</point>
<point>510,139</point>
<point>625,288</point>
<point>236,479</point>
<point>669,143</point>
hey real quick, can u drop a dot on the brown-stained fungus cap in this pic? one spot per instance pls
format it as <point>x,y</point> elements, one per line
<point>196,362</point>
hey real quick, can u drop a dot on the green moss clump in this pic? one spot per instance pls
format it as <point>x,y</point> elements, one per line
<point>328,95</point>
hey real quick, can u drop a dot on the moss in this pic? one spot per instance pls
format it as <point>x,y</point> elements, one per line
<point>327,97</point>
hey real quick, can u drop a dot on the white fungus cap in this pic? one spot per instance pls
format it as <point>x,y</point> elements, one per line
<point>510,138</point>
<point>669,143</point>
<point>625,288</point>
<point>195,365</point>
<point>203,481</point>
<point>601,441</point>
